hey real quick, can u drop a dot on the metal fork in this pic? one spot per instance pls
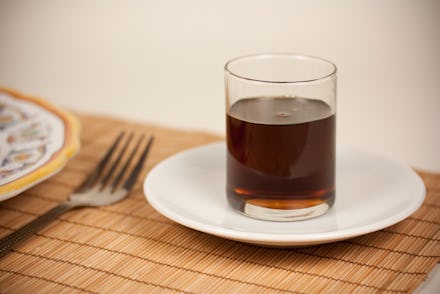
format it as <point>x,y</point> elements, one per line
<point>95,190</point>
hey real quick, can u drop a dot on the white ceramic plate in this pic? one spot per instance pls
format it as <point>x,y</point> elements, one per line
<point>372,192</point>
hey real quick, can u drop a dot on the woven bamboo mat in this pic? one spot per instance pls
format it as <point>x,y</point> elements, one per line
<point>128,247</point>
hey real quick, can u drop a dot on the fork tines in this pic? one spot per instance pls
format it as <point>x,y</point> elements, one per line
<point>108,179</point>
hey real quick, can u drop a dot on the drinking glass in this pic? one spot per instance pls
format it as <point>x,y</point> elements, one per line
<point>280,132</point>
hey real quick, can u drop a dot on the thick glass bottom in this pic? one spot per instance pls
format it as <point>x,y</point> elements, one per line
<point>281,209</point>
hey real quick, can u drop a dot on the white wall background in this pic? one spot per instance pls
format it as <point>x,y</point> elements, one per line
<point>162,61</point>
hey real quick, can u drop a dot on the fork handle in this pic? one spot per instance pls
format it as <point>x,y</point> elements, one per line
<point>26,231</point>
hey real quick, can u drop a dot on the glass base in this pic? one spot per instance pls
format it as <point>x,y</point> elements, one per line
<point>282,215</point>
<point>272,214</point>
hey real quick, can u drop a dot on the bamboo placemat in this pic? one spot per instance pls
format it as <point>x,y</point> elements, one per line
<point>128,247</point>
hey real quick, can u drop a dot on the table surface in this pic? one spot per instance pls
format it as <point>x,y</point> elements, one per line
<point>129,246</point>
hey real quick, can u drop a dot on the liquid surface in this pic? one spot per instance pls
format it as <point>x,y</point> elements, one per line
<point>281,153</point>
<point>279,110</point>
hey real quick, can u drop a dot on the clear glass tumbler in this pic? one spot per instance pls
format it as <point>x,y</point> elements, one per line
<point>280,130</point>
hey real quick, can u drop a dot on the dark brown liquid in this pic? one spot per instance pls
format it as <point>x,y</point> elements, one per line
<point>281,153</point>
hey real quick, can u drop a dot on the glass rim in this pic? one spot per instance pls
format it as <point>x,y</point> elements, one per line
<point>279,54</point>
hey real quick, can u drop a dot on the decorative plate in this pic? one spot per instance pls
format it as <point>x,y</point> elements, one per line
<point>36,141</point>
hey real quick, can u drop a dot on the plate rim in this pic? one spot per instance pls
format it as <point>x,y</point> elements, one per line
<point>284,238</point>
<point>58,160</point>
